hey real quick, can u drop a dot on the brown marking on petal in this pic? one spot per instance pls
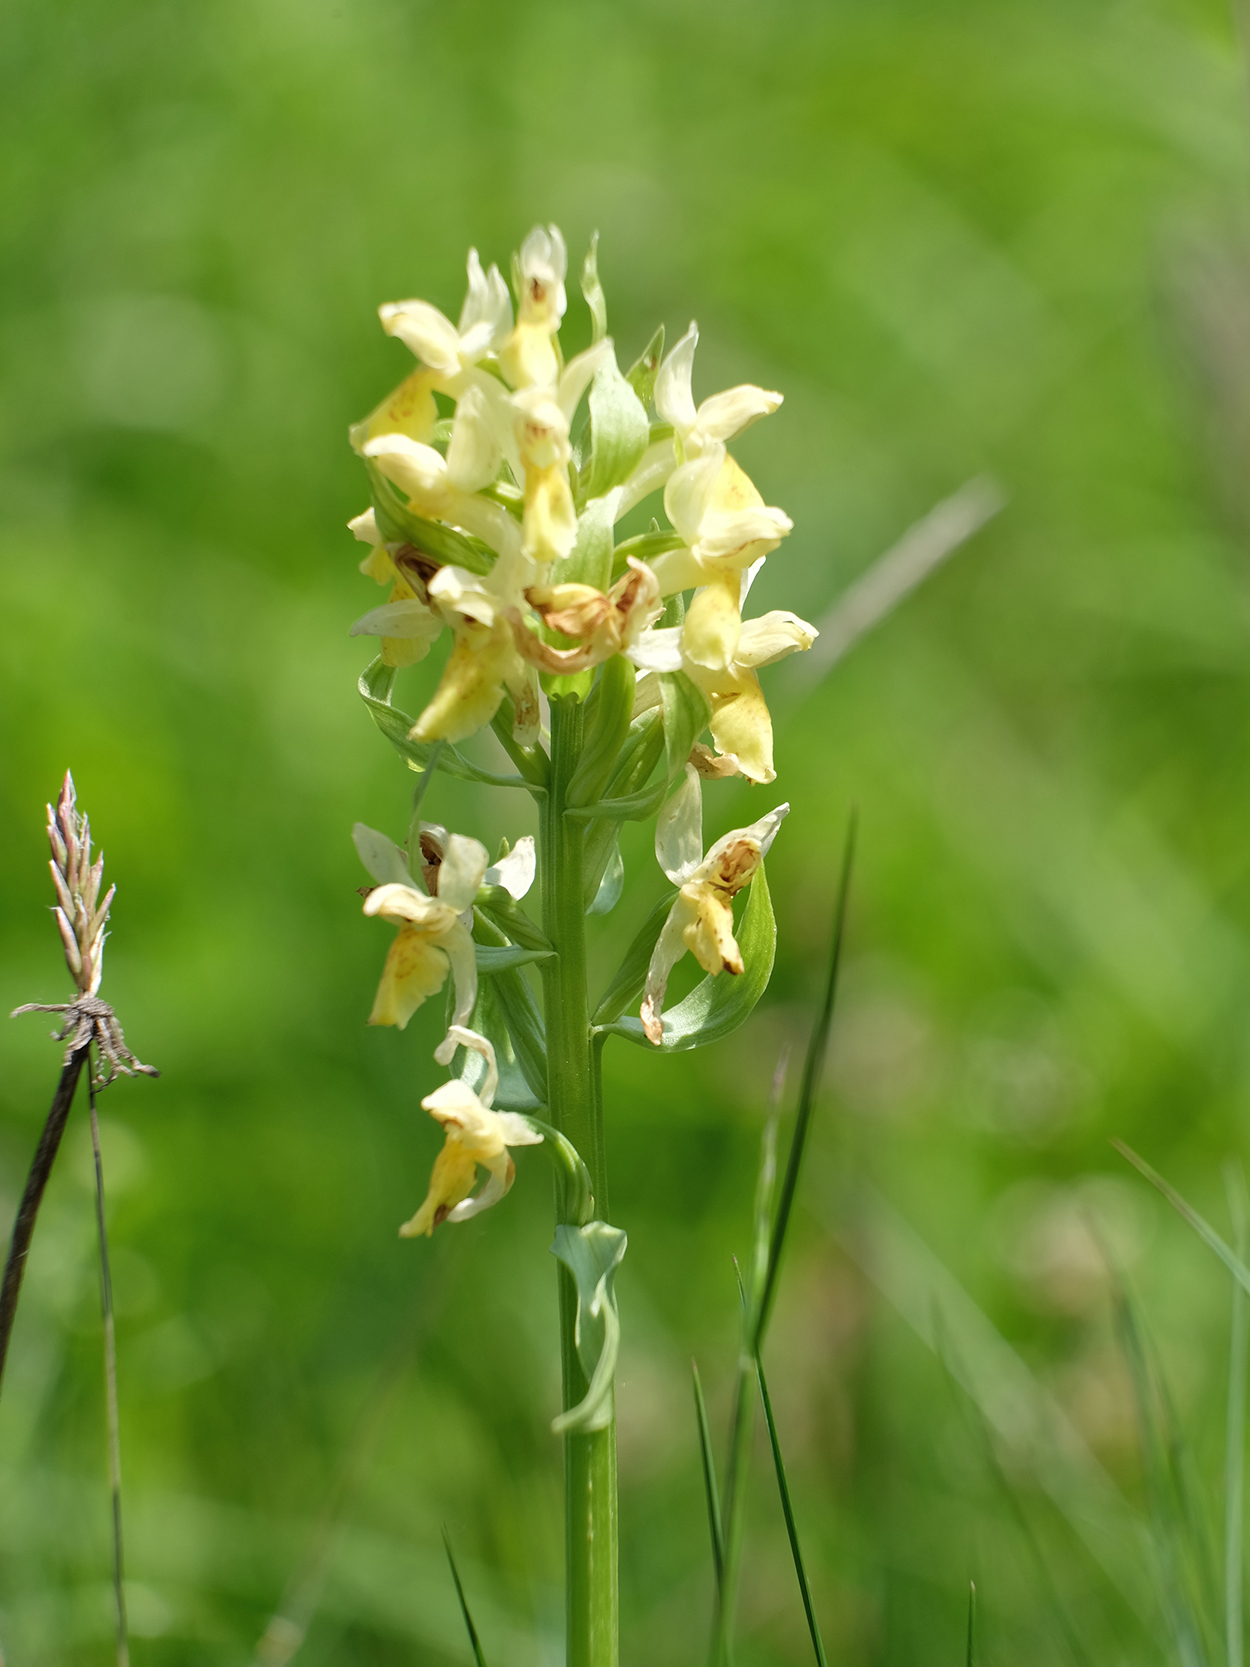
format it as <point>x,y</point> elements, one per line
<point>365,891</point>
<point>736,864</point>
<point>418,568</point>
<point>710,765</point>
<point>432,852</point>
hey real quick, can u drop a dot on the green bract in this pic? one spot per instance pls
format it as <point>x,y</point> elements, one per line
<point>592,1255</point>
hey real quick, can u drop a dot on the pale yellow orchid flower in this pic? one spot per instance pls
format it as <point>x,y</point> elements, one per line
<point>529,359</point>
<point>483,664</point>
<point>445,348</point>
<point>475,1134</point>
<point>447,353</point>
<point>701,919</point>
<point>721,417</point>
<point>741,724</point>
<point>433,938</point>
<point>541,419</point>
<point>726,529</point>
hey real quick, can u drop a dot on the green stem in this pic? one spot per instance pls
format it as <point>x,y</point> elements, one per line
<point>576,1107</point>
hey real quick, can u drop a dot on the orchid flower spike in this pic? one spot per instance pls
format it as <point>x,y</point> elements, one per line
<point>474,1134</point>
<point>701,919</point>
<point>433,937</point>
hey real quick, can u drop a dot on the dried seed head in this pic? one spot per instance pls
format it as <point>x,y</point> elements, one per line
<point>80,916</point>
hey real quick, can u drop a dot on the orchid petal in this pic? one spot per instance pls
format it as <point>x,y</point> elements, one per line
<point>673,398</point>
<point>407,618</point>
<point>382,858</point>
<point>679,830</point>
<point>515,871</point>
<point>724,416</point>
<point>430,334</point>
<point>460,873</point>
<point>772,636</point>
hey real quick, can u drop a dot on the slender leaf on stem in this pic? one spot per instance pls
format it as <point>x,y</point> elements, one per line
<point>592,1253</point>
<point>812,1065</point>
<point>1235,1444</point>
<point>709,1479</point>
<point>783,1488</point>
<point>971,1657</point>
<point>474,1641</point>
<point>1235,1265</point>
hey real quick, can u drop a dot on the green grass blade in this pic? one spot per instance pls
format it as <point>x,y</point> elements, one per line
<point>972,1624</point>
<point>733,1515</point>
<point>1235,1265</point>
<point>709,1480</point>
<point>464,1607</point>
<point>1167,1517</point>
<point>812,1064</point>
<point>783,1488</point>
<point>766,1183</point>
<point>1235,1442</point>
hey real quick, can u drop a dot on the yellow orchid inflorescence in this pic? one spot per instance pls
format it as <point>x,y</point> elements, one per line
<point>533,535</point>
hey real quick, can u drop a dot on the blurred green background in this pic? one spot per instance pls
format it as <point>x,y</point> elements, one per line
<point>981,235</point>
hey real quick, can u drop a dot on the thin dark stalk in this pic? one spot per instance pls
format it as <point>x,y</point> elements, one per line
<point>32,1197</point>
<point>110,1388</point>
<point>783,1488</point>
<point>709,1480</point>
<point>474,1641</point>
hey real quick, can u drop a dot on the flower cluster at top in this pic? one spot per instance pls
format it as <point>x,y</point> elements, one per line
<point>494,515</point>
<point>539,585</point>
